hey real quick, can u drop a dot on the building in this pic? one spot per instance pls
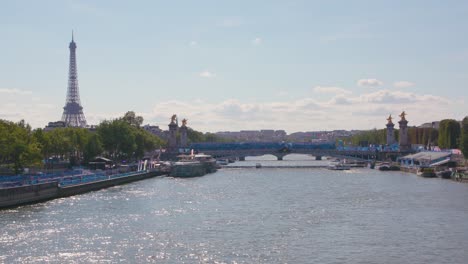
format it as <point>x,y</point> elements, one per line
<point>54,125</point>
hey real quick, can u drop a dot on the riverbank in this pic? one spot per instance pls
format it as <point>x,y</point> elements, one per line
<point>274,167</point>
<point>67,186</point>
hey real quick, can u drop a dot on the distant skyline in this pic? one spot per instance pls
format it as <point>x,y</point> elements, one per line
<point>243,65</point>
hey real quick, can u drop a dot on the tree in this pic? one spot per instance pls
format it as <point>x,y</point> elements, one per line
<point>132,119</point>
<point>195,136</point>
<point>92,148</point>
<point>464,138</point>
<point>122,139</point>
<point>376,137</point>
<point>117,138</point>
<point>449,134</point>
<point>145,141</point>
<point>18,148</point>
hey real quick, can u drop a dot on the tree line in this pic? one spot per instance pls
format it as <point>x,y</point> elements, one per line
<point>118,139</point>
<point>450,135</point>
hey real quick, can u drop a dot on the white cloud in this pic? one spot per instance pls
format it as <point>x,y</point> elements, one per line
<point>343,111</point>
<point>331,89</point>
<point>340,100</point>
<point>257,41</point>
<point>403,84</point>
<point>369,82</point>
<point>399,97</point>
<point>16,104</point>
<point>207,74</point>
<point>193,43</point>
<point>14,91</point>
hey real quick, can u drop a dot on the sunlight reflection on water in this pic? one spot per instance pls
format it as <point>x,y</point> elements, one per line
<point>248,216</point>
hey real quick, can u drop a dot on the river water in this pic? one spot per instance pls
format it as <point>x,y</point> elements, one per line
<point>284,215</point>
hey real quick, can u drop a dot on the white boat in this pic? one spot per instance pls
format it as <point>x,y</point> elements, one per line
<point>222,162</point>
<point>338,166</point>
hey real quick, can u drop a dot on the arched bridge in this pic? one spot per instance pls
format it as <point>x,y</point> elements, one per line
<point>281,149</point>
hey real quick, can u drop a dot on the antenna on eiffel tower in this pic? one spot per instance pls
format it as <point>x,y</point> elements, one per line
<point>73,111</point>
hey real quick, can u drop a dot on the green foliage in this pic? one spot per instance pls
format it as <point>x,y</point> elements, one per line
<point>132,119</point>
<point>92,148</point>
<point>146,141</point>
<point>464,137</point>
<point>449,134</point>
<point>65,143</point>
<point>377,137</point>
<point>117,139</point>
<point>422,136</point>
<point>124,139</point>
<point>18,148</point>
<point>196,136</point>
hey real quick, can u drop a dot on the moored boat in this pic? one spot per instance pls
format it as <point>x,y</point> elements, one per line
<point>193,166</point>
<point>446,174</point>
<point>426,172</point>
<point>222,162</point>
<point>338,166</point>
<point>357,164</point>
<point>386,166</point>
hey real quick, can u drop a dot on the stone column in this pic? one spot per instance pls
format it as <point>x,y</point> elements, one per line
<point>172,142</point>
<point>404,142</point>
<point>183,136</point>
<point>390,134</point>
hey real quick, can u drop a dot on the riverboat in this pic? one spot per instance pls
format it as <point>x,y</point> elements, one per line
<point>445,174</point>
<point>357,164</point>
<point>338,166</point>
<point>193,166</point>
<point>386,166</point>
<point>426,172</point>
<point>222,162</point>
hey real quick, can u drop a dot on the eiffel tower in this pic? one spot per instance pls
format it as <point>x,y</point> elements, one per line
<point>73,111</point>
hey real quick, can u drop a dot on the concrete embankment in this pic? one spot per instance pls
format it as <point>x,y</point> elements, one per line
<point>28,194</point>
<point>19,195</point>
<point>96,185</point>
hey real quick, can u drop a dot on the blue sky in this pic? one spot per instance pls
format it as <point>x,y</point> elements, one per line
<point>294,65</point>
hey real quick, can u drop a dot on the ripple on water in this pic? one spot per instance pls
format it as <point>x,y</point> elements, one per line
<point>248,216</point>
